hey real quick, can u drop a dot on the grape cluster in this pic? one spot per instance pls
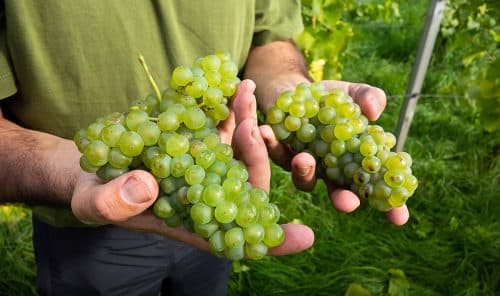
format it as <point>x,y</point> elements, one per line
<point>351,152</point>
<point>174,136</point>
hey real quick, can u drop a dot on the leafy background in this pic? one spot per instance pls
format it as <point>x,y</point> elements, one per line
<point>451,245</point>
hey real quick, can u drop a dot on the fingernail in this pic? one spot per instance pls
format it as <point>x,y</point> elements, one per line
<point>135,191</point>
<point>303,171</point>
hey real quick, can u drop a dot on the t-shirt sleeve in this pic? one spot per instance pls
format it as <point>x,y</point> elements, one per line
<point>276,20</point>
<point>7,82</point>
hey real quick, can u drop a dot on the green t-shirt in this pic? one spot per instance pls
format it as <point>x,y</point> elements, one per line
<point>64,63</point>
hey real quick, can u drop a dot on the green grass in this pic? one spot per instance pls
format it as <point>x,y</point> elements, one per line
<point>451,245</point>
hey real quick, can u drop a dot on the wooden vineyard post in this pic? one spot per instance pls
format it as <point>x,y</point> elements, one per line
<point>427,40</point>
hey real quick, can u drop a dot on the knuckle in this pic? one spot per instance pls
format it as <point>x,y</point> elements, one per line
<point>103,210</point>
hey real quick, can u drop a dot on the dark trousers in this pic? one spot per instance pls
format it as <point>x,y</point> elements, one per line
<point>110,260</point>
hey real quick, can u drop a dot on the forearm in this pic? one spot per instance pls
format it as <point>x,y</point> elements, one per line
<point>35,167</point>
<point>275,67</point>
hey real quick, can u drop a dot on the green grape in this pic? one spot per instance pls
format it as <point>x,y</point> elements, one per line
<point>194,174</point>
<point>218,167</point>
<point>280,131</point>
<point>352,145</point>
<point>238,172</point>
<point>135,118</point>
<point>225,212</point>
<point>219,112</point>
<point>162,208</point>
<point>361,177</point>
<point>333,173</point>
<point>182,75</point>
<point>117,160</point>
<point>94,130</point>
<point>213,195</point>
<point>394,178</point>
<point>174,221</point>
<point>194,118</point>
<point>223,152</point>
<point>343,131</point>
<point>284,100</point>
<point>256,251</point>
<point>327,134</point>
<point>235,254</point>
<point>275,115</point>
<point>247,214</point>
<point>306,133</point>
<point>147,155</point>
<point>205,158</point>
<point>390,140</point>
<point>330,160</point>
<point>368,148</point>
<point>211,178</point>
<point>108,172</point>
<point>201,213</point>
<point>180,164</point>
<point>216,241</point>
<point>371,164</point>
<point>337,147</point>
<point>292,123</point>
<point>234,238</point>
<point>398,197</point>
<point>258,197</point>
<point>81,140</point>
<point>411,183</point>
<point>268,214</point>
<point>212,97</point>
<point>168,185</point>
<point>254,233</point>
<point>206,230</point>
<point>326,115</point>
<point>111,134</point>
<point>232,186</point>
<point>161,165</point>
<point>86,166</point>
<point>196,88</point>
<point>274,235</point>
<point>211,63</point>
<point>297,109</point>
<point>212,140</point>
<point>228,69</point>
<point>169,121</point>
<point>320,148</point>
<point>365,190</point>
<point>177,144</point>
<point>382,190</point>
<point>312,108</point>
<point>130,144</point>
<point>213,78</point>
<point>350,169</point>
<point>194,193</point>
<point>241,198</point>
<point>196,147</point>
<point>396,162</point>
<point>96,153</point>
<point>229,86</point>
<point>149,132</point>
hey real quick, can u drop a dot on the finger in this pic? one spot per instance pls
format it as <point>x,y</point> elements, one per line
<point>371,100</point>
<point>244,103</point>
<point>117,200</point>
<point>278,152</point>
<point>343,200</point>
<point>150,223</point>
<point>297,239</point>
<point>303,171</point>
<point>398,216</point>
<point>250,148</point>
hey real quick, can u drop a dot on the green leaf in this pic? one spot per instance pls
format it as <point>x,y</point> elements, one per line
<point>398,284</point>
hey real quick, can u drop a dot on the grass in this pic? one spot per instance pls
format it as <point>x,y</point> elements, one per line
<point>451,245</point>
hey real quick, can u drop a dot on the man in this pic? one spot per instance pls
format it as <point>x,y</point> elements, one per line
<point>62,64</point>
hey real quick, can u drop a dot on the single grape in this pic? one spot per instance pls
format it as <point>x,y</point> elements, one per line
<point>96,153</point>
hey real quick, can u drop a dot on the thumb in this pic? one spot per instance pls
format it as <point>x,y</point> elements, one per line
<point>115,201</point>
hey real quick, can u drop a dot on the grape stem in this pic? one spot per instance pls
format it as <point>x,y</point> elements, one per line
<point>150,77</point>
<point>153,118</point>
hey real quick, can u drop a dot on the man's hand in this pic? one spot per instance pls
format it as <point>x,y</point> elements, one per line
<point>124,201</point>
<point>372,101</point>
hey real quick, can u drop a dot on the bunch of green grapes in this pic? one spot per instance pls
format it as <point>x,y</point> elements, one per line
<point>174,136</point>
<point>351,152</point>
